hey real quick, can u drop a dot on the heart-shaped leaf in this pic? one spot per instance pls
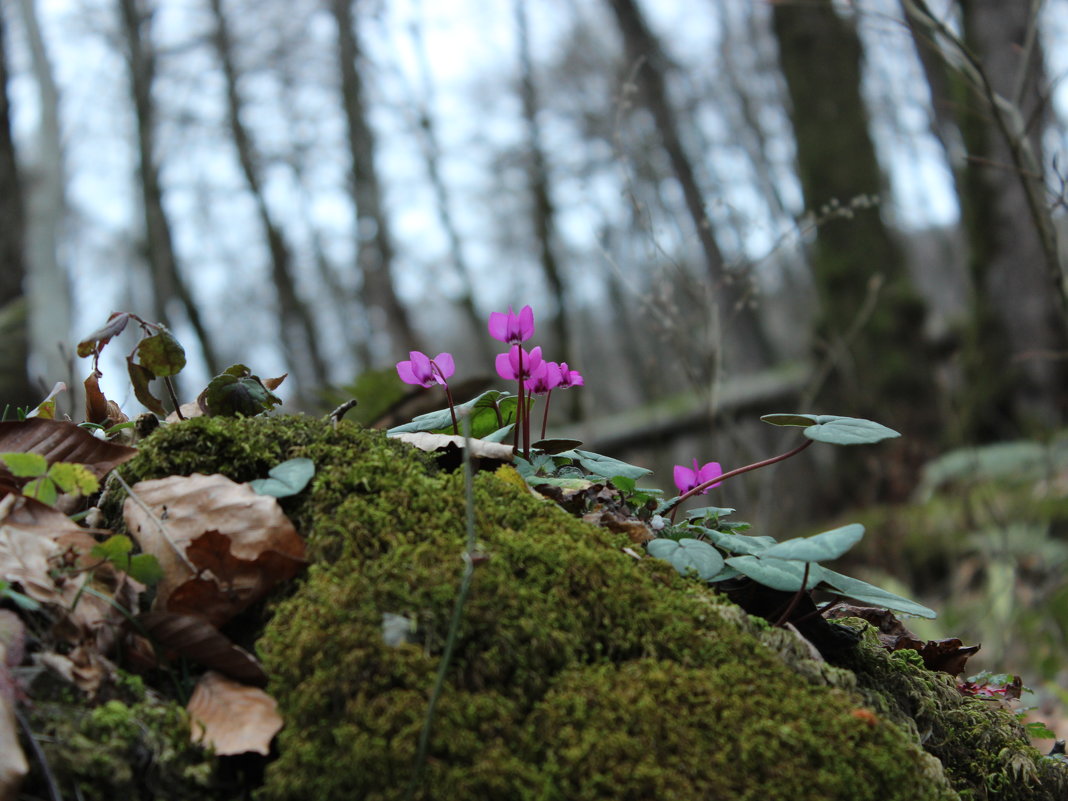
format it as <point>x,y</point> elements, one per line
<point>870,594</point>
<point>161,353</point>
<point>605,466</point>
<point>688,555</point>
<point>819,547</point>
<point>777,573</point>
<point>287,478</point>
<point>834,430</point>
<point>739,543</point>
<point>237,392</point>
<point>482,412</point>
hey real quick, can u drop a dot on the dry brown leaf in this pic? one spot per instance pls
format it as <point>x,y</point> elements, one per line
<point>62,441</point>
<point>84,667</point>
<point>233,718</point>
<point>167,515</point>
<point>234,584</point>
<point>195,638</point>
<point>13,765</point>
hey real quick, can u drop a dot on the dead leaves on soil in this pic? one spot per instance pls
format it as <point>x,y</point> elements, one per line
<point>222,547</point>
<point>231,717</point>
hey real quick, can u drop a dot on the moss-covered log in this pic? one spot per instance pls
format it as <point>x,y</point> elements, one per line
<point>580,672</point>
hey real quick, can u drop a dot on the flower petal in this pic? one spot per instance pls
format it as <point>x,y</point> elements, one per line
<point>525,323</point>
<point>498,325</point>
<point>684,479</point>
<point>446,366</point>
<point>407,375</point>
<point>504,366</point>
<point>709,472</point>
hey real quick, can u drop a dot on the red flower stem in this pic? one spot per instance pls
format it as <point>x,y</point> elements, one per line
<point>519,408</point>
<point>736,472</point>
<point>452,410</point>
<point>545,416</point>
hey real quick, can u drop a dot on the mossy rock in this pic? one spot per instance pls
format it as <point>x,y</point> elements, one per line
<point>579,672</point>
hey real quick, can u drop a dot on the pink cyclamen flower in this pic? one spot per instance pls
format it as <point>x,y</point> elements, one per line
<point>569,378</point>
<point>508,363</point>
<point>511,327</point>
<point>686,479</point>
<point>544,379</point>
<point>424,371</point>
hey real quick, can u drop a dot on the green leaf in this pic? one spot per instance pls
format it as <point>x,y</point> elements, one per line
<point>605,466</point>
<point>870,594</point>
<point>688,555</point>
<point>287,478</point>
<point>739,543</point>
<point>237,392</point>
<point>819,547</point>
<point>115,549</point>
<point>483,416</point>
<point>161,353</point>
<point>74,478</point>
<point>803,420</point>
<point>705,512</point>
<point>140,376</point>
<point>25,465</point>
<point>777,573</point>
<point>43,489</point>
<point>555,445</point>
<point>500,435</point>
<point>145,567</point>
<point>624,483</point>
<point>833,429</point>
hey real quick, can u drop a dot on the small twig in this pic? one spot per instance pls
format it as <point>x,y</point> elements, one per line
<point>341,411</point>
<point>50,780</point>
<point>159,523</point>
<point>174,397</point>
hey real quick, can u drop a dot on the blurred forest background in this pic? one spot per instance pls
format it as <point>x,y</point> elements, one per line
<point>717,208</point>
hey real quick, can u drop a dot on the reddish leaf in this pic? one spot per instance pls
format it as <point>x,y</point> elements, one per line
<point>62,441</point>
<point>96,405</point>
<point>273,383</point>
<point>195,638</point>
<point>98,339</point>
<point>140,376</point>
<point>232,584</point>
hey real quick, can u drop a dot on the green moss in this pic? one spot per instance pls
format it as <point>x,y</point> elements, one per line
<point>115,750</point>
<point>985,750</point>
<point>579,672</point>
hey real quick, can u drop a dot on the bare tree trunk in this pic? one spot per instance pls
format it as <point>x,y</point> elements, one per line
<point>1015,338</point>
<point>15,385</point>
<point>871,320</point>
<point>168,282</point>
<point>748,347</point>
<point>374,243</point>
<point>542,207</point>
<point>432,154</point>
<point>47,288</point>
<point>299,338</point>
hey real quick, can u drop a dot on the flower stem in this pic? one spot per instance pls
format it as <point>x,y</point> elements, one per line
<point>736,472</point>
<point>452,410</point>
<point>545,416</point>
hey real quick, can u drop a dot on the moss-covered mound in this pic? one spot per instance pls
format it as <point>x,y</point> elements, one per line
<point>579,673</point>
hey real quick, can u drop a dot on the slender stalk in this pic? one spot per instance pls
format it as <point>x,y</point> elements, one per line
<point>452,410</point>
<point>796,599</point>
<point>457,615</point>
<point>545,416</point>
<point>736,472</point>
